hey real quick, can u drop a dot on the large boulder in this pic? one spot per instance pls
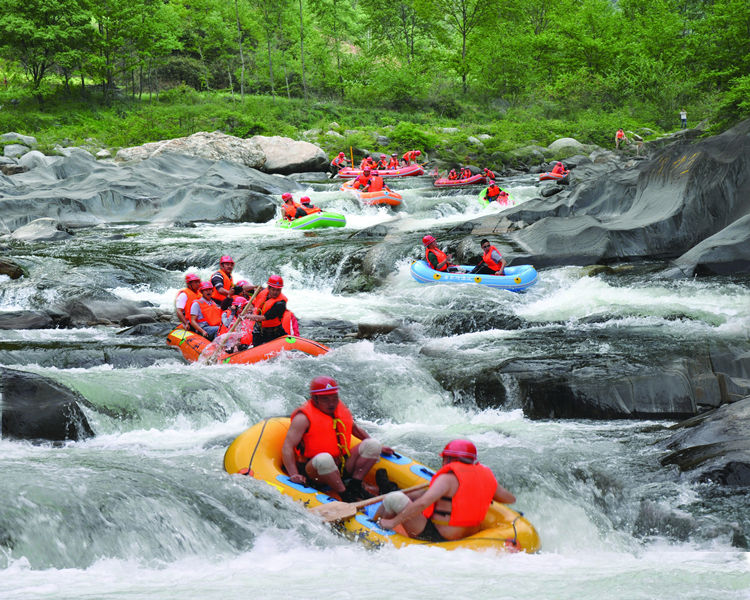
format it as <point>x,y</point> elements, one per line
<point>11,269</point>
<point>39,409</point>
<point>17,138</point>
<point>566,147</point>
<point>41,230</point>
<point>33,159</point>
<point>15,150</point>
<point>25,319</point>
<point>714,446</point>
<point>212,146</point>
<point>285,156</point>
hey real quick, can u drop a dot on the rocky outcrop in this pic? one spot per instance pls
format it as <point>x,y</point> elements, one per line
<point>38,409</point>
<point>286,156</point>
<point>11,269</point>
<point>41,230</point>
<point>715,446</point>
<point>166,188</point>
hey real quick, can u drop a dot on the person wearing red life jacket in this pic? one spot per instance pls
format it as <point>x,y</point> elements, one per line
<point>376,183</point>
<point>383,162</point>
<point>492,262</point>
<point>242,335</point>
<point>291,210</point>
<point>318,445</point>
<point>185,298</point>
<point>205,315</point>
<point>620,138</point>
<point>269,312</point>
<point>455,504</point>
<point>411,155</point>
<point>339,162</point>
<point>453,175</point>
<point>558,169</point>
<point>393,163</point>
<point>465,172</point>
<point>309,209</point>
<point>363,180</point>
<point>367,163</point>
<point>492,192</point>
<point>222,280</point>
<point>503,198</point>
<point>436,258</point>
<point>490,175</point>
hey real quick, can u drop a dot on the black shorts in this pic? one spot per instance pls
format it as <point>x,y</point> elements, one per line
<point>430,533</point>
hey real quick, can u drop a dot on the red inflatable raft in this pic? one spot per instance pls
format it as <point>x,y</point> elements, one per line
<point>192,345</point>
<point>473,180</point>
<point>409,171</point>
<point>550,176</point>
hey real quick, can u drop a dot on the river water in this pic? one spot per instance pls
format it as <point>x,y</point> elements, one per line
<point>145,510</point>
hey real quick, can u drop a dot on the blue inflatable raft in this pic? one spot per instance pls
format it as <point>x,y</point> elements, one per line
<point>516,279</point>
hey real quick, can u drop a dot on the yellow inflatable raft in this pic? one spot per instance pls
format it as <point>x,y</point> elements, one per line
<point>257,453</point>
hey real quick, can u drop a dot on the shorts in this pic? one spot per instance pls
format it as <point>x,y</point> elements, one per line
<point>430,533</point>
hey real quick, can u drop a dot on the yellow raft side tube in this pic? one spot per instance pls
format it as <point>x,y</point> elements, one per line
<point>257,452</point>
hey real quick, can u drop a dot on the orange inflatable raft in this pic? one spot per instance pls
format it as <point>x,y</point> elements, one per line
<point>384,197</point>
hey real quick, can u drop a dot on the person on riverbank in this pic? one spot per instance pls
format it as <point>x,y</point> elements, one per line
<point>222,280</point>
<point>492,262</point>
<point>436,258</point>
<point>411,155</point>
<point>363,180</point>
<point>185,298</point>
<point>318,445</point>
<point>455,504</point>
<point>620,138</point>
<point>683,119</point>
<point>291,209</point>
<point>205,315</point>
<point>309,209</point>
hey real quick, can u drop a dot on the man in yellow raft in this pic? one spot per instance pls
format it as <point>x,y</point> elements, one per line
<point>454,505</point>
<point>318,444</point>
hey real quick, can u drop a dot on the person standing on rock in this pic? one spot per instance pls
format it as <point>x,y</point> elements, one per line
<point>222,280</point>
<point>338,163</point>
<point>683,119</point>
<point>186,297</point>
<point>620,138</point>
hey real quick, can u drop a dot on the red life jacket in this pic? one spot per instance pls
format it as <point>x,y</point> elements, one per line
<point>227,318</point>
<point>393,163</point>
<point>290,210</point>
<point>363,180</point>
<point>289,323</point>
<point>383,163</point>
<point>211,313</point>
<point>227,285</point>
<point>453,175</point>
<point>493,192</point>
<point>322,435</point>
<point>476,488</point>
<point>465,173</point>
<point>440,255</point>
<point>191,297</point>
<point>620,134</point>
<point>487,258</point>
<point>310,210</point>
<point>410,156</point>
<point>339,160</point>
<point>265,307</point>
<point>376,184</point>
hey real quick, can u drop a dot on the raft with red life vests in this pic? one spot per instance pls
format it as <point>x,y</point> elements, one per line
<point>192,345</point>
<point>407,171</point>
<point>550,176</point>
<point>473,180</point>
<point>384,197</point>
<point>509,201</point>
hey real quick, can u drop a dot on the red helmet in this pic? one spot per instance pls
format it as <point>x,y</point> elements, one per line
<point>369,158</point>
<point>304,200</point>
<point>242,283</point>
<point>323,386</point>
<point>373,172</point>
<point>286,197</point>
<point>463,450</point>
<point>417,152</point>
<point>427,240</point>
<point>239,301</point>
<point>342,154</point>
<point>275,281</point>
<point>191,277</point>
<point>206,285</point>
<point>226,259</point>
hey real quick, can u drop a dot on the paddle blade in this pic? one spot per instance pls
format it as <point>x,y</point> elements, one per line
<point>335,511</point>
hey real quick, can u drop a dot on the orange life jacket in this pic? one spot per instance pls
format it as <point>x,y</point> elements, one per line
<point>620,134</point>
<point>339,160</point>
<point>266,306</point>
<point>376,184</point>
<point>476,488</point>
<point>393,163</point>
<point>453,175</point>
<point>363,180</point>
<point>191,297</point>
<point>310,210</point>
<point>439,254</point>
<point>487,258</point>
<point>290,210</point>
<point>211,313</point>
<point>493,192</point>
<point>383,163</point>
<point>323,435</point>
<point>410,156</point>
<point>465,173</point>
<point>227,285</point>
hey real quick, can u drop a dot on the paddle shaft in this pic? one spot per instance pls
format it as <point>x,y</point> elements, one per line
<point>363,503</point>
<point>220,346</point>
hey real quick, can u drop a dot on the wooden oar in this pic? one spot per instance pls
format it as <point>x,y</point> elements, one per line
<point>336,511</point>
<point>220,347</point>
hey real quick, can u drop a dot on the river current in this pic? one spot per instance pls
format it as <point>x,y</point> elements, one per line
<point>145,510</point>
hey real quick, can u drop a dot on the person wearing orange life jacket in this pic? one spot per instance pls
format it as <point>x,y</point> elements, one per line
<point>185,298</point>
<point>492,192</point>
<point>307,207</point>
<point>383,162</point>
<point>455,504</point>
<point>222,280</point>
<point>367,163</point>
<point>242,335</point>
<point>465,172</point>
<point>436,258</point>
<point>269,312</point>
<point>453,175</point>
<point>492,262</point>
<point>318,445</point>
<point>503,198</point>
<point>291,210</point>
<point>339,162</point>
<point>393,163</point>
<point>376,183</point>
<point>558,169</point>
<point>205,316</point>
<point>411,155</point>
<point>490,175</point>
<point>620,138</point>
<point>363,180</point>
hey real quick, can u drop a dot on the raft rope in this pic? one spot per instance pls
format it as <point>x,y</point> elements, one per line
<point>249,470</point>
<point>341,443</point>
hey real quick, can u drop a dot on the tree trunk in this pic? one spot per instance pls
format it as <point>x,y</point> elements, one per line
<point>242,56</point>
<point>302,49</point>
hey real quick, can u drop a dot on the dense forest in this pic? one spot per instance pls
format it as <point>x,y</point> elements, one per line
<point>640,58</point>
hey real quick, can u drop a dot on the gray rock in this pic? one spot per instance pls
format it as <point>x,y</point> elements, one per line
<point>310,133</point>
<point>475,141</point>
<point>382,140</point>
<point>333,125</point>
<point>15,150</point>
<point>333,134</point>
<point>284,155</point>
<point>351,131</point>
<point>41,230</point>
<point>550,190</point>
<point>32,160</point>
<point>449,129</point>
<point>103,153</point>
<point>74,151</point>
<point>12,136</point>
<point>565,146</point>
<point>25,319</point>
<point>12,169</point>
<point>484,136</point>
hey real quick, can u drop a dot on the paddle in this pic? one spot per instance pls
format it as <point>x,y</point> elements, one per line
<point>336,511</point>
<point>220,347</point>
